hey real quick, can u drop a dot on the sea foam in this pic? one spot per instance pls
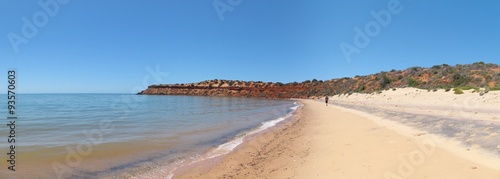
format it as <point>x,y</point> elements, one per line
<point>229,146</point>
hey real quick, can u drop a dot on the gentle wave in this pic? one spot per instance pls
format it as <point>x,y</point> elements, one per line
<point>229,146</point>
<point>148,134</point>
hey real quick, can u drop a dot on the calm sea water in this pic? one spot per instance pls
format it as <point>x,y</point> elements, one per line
<point>107,135</point>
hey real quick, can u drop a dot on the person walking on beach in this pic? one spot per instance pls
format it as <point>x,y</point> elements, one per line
<point>326,100</point>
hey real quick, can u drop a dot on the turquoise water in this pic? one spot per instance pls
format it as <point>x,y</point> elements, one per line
<point>102,135</point>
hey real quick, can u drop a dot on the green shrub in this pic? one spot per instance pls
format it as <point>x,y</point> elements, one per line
<point>436,67</point>
<point>495,88</point>
<point>458,91</point>
<point>479,63</point>
<point>459,79</point>
<point>385,81</point>
<point>488,77</point>
<point>361,88</point>
<point>412,82</point>
<point>469,88</point>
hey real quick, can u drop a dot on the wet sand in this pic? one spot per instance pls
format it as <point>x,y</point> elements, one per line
<point>470,119</point>
<point>337,142</point>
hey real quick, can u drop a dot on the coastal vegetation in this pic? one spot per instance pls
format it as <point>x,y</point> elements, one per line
<point>479,77</point>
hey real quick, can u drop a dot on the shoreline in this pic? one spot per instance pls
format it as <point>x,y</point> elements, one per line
<point>215,154</point>
<point>321,142</point>
<point>205,164</point>
<point>252,143</point>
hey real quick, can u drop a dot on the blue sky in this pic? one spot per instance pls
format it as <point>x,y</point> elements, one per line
<point>107,46</point>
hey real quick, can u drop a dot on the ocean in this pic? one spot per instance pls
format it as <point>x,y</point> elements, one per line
<point>122,135</point>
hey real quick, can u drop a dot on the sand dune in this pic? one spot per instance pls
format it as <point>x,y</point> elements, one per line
<point>469,106</point>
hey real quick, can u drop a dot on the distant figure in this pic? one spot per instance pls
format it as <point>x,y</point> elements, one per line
<point>326,100</point>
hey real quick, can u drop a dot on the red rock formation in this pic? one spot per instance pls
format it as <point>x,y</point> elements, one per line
<point>254,91</point>
<point>439,76</point>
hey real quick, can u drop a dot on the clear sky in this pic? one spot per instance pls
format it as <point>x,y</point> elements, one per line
<point>92,46</point>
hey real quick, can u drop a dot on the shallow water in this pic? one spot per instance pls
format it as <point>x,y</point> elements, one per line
<point>93,135</point>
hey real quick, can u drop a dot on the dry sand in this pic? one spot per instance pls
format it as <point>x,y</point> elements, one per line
<point>471,120</point>
<point>470,106</point>
<point>336,142</point>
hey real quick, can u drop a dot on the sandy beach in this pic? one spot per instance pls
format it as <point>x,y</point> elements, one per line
<point>407,133</point>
